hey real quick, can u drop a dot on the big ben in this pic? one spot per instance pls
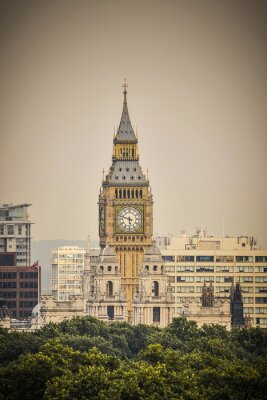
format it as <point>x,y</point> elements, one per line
<point>126,206</point>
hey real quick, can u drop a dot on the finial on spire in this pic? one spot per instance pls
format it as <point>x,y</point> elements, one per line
<point>124,85</point>
<point>103,172</point>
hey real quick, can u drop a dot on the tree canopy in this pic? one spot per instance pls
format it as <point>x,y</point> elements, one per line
<point>84,358</point>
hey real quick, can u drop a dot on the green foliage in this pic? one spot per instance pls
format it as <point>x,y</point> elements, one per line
<point>85,358</point>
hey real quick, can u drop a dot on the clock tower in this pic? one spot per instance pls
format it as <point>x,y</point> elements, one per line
<point>126,206</point>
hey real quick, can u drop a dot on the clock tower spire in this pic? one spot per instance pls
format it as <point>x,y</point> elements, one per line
<point>126,206</point>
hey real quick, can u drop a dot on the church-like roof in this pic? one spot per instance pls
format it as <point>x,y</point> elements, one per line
<point>127,172</point>
<point>153,254</point>
<point>108,255</point>
<point>125,132</point>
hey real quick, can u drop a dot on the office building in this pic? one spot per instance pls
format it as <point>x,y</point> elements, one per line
<point>67,270</point>
<point>19,281</point>
<point>193,260</point>
<point>19,286</point>
<point>15,232</point>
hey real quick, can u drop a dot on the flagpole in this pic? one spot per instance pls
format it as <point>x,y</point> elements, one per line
<point>38,315</point>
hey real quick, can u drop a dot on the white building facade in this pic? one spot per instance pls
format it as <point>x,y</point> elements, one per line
<point>191,261</point>
<point>67,272</point>
<point>15,232</point>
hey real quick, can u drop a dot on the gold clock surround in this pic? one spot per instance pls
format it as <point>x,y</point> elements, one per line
<point>130,208</point>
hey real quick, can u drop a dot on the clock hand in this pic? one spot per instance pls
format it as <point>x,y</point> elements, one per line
<point>129,219</point>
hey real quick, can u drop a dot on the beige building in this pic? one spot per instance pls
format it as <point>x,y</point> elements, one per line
<point>57,311</point>
<point>126,207</point>
<point>67,271</point>
<point>103,292</point>
<point>193,260</point>
<point>153,301</point>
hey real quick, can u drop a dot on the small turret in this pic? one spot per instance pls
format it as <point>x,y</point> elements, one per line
<point>237,311</point>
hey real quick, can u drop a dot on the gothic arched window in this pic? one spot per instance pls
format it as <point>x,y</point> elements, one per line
<point>155,289</point>
<point>109,288</point>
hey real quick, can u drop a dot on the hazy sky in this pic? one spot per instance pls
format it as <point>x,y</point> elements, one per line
<point>197,93</point>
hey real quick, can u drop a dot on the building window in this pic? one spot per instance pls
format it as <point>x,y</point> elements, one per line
<point>262,279</point>
<point>110,312</point>
<point>223,289</point>
<point>155,289</point>
<point>185,258</point>
<point>8,285</point>
<point>261,321</point>
<point>185,268</point>
<point>224,279</point>
<point>261,310</point>
<point>248,300</point>
<point>244,259</point>
<point>248,279</point>
<point>10,229</point>
<point>248,289</point>
<point>168,258</point>
<point>261,289</point>
<point>19,229</point>
<point>260,269</point>
<point>185,279</point>
<point>1,229</point>
<point>205,259</point>
<point>261,259</point>
<point>205,279</point>
<point>243,269</point>
<point>205,269</point>
<point>109,288</point>
<point>248,310</point>
<point>261,300</point>
<point>185,289</point>
<point>224,259</point>
<point>156,314</point>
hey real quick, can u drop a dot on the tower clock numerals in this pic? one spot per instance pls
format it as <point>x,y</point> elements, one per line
<point>129,219</point>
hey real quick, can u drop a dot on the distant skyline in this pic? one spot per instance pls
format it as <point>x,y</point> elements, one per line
<point>197,93</point>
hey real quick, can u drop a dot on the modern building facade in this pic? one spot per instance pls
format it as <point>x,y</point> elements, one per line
<point>67,271</point>
<point>18,286</point>
<point>19,281</point>
<point>193,260</point>
<point>15,232</point>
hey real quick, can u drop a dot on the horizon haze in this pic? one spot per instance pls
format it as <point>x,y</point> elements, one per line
<point>197,95</point>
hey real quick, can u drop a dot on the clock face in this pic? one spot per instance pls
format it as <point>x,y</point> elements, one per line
<point>129,219</point>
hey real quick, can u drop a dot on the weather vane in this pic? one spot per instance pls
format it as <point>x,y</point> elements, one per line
<point>124,85</point>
